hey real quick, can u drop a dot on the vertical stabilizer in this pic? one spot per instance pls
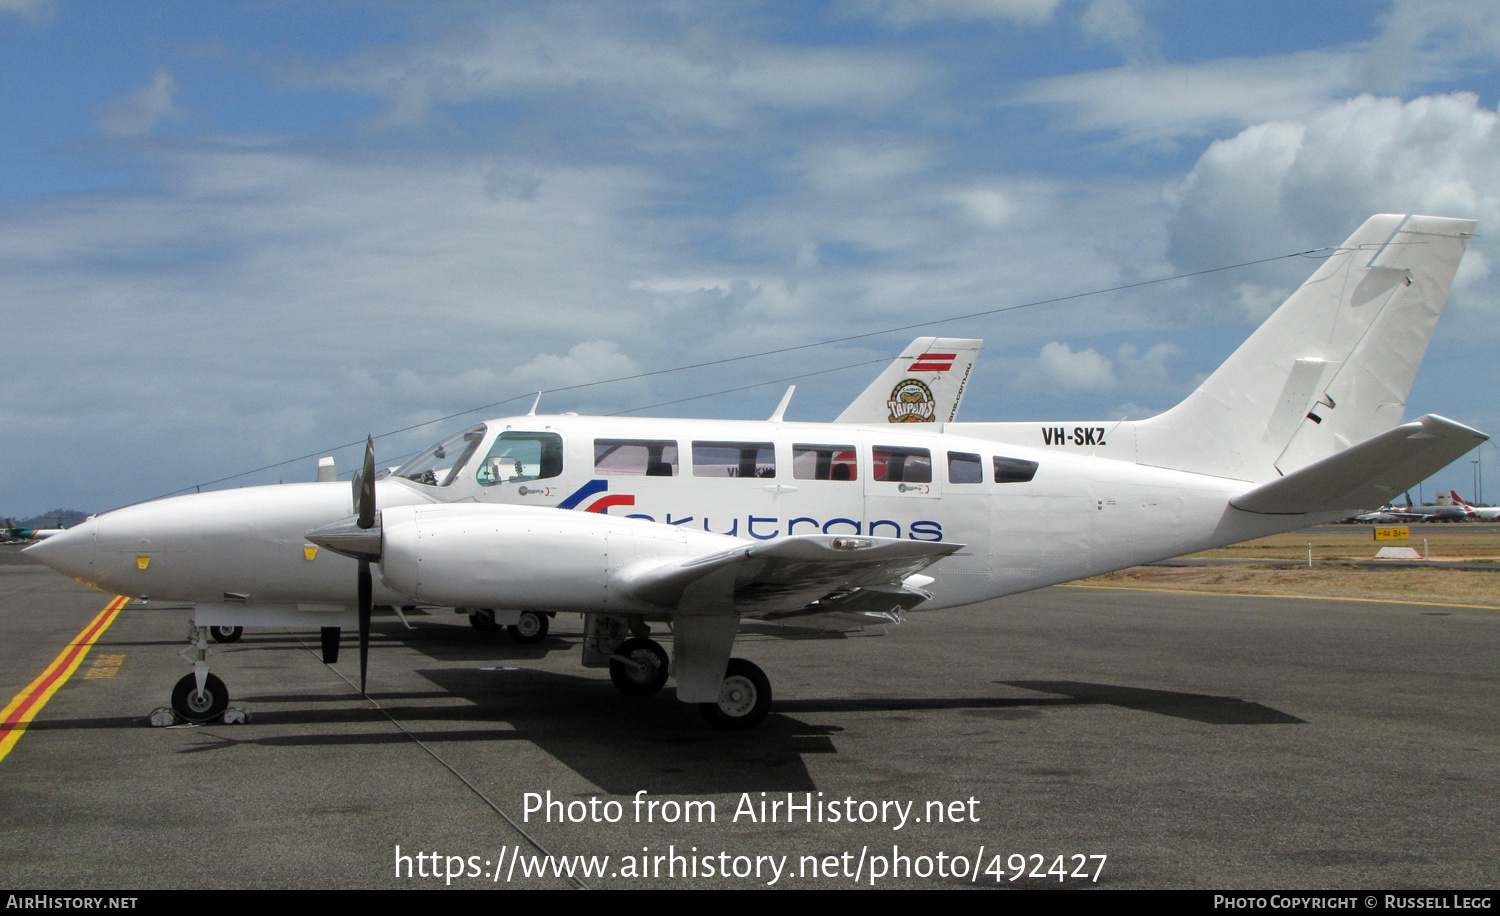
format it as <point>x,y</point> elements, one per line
<point>1330,368</point>
<point>925,384</point>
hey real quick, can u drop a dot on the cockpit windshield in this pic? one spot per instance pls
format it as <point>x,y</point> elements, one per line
<point>440,465</point>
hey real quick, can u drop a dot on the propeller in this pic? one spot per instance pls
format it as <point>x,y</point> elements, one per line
<point>364,499</point>
<point>361,541</point>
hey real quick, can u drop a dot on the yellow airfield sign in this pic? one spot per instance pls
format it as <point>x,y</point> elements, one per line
<point>1392,534</point>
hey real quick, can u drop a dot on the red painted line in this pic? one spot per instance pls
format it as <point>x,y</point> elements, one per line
<point>930,367</point>
<point>34,697</point>
<point>601,505</point>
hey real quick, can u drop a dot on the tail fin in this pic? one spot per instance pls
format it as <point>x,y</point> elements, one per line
<point>1330,368</point>
<point>939,367</point>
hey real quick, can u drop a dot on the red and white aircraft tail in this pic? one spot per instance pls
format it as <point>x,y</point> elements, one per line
<point>925,384</point>
<point>1486,513</point>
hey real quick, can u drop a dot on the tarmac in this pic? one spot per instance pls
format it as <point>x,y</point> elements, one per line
<point>1070,737</point>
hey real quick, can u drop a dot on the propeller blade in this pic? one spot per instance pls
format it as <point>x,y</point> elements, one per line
<point>365,495</point>
<point>366,601</point>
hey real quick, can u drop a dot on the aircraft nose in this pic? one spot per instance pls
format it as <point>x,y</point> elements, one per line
<point>69,552</point>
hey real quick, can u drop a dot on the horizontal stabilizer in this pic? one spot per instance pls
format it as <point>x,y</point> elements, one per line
<point>1367,474</point>
<point>791,572</point>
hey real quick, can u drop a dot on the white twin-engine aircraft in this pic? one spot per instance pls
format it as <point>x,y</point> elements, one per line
<point>699,524</point>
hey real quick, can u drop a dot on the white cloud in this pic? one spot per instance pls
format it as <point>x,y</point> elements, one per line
<point>904,12</point>
<point>138,112</point>
<point>588,361</point>
<point>1174,101</point>
<point>603,59</point>
<point>1425,40</point>
<point>988,207</point>
<point>1288,185</point>
<point>35,10</point>
<point>1119,23</point>
<point>1145,371</point>
<point>1057,367</point>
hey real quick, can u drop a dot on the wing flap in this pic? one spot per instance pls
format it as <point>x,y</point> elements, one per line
<point>1367,474</point>
<point>788,574</point>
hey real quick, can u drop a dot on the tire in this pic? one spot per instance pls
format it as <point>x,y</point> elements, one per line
<point>195,708</point>
<point>226,634</point>
<point>639,682</point>
<point>531,628</point>
<point>744,699</point>
<point>483,620</point>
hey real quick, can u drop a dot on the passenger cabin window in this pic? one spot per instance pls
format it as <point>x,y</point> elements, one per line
<point>1014,470</point>
<point>896,463</point>
<point>824,462</point>
<point>734,459</point>
<point>964,467</point>
<point>517,456</point>
<point>635,457</point>
<point>439,465</point>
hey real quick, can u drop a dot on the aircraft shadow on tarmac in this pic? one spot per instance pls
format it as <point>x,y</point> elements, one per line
<point>623,744</point>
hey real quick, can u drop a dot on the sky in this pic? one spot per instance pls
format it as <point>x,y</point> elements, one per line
<point>236,234</point>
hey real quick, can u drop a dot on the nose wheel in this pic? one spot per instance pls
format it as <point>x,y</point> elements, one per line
<point>196,705</point>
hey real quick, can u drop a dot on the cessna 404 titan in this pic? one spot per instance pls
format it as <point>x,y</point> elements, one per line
<point>699,524</point>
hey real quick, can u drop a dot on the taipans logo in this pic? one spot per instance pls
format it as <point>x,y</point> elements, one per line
<point>601,505</point>
<point>911,402</point>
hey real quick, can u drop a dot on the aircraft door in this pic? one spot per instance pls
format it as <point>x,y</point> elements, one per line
<point>903,486</point>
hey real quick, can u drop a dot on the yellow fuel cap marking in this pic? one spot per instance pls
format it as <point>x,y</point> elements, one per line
<point>309,551</point>
<point>142,562</point>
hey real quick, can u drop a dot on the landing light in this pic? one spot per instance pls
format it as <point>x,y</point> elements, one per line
<point>852,543</point>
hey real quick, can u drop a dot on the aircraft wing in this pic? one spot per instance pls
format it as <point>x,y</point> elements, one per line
<point>1367,473</point>
<point>801,576</point>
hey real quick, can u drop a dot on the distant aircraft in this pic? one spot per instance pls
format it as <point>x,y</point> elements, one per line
<point>17,533</point>
<point>700,524</point>
<point>1484,513</point>
<point>1444,511</point>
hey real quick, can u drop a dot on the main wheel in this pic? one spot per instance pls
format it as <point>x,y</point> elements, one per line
<point>646,671</point>
<point>226,634</point>
<point>532,627</point>
<point>744,699</point>
<point>200,707</point>
<point>483,620</point>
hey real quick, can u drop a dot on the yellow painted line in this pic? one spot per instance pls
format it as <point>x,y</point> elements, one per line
<point>1184,591</point>
<point>29,702</point>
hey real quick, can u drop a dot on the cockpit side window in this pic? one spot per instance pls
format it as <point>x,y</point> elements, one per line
<point>520,456</point>
<point>439,465</point>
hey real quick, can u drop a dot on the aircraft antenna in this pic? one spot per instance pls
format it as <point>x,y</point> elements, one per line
<point>781,408</point>
<point>536,401</point>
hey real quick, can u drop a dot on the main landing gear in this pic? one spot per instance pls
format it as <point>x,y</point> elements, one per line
<point>639,666</point>
<point>744,699</point>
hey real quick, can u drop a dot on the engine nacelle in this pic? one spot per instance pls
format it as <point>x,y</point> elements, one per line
<point>474,555</point>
